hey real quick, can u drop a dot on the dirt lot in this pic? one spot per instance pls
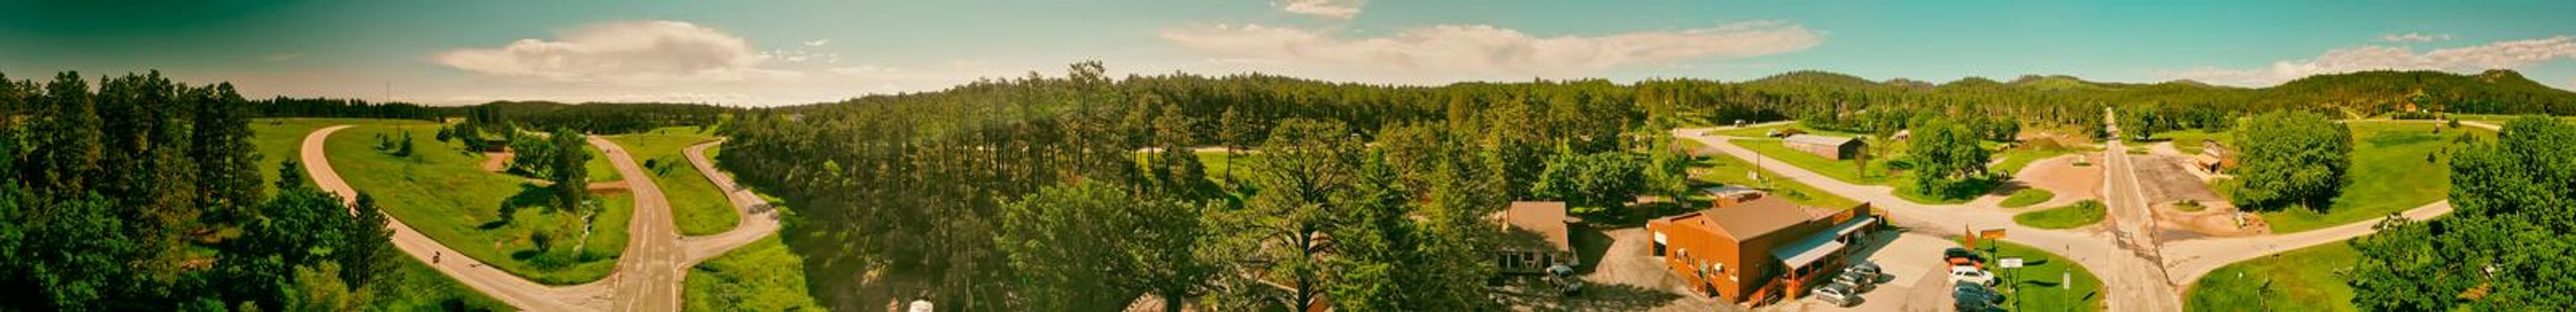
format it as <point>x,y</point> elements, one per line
<point>2059,175</point>
<point>2166,179</point>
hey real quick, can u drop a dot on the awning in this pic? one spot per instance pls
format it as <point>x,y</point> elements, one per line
<point>1807,251</point>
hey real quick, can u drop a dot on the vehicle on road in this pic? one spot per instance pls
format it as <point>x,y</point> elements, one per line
<point>1971,275</point>
<point>1837,294</point>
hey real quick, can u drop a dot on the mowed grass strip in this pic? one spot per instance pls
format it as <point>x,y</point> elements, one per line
<point>441,191</point>
<point>2046,281</point>
<point>2395,166</point>
<point>2080,214</point>
<point>2028,196</point>
<point>2298,280</point>
<point>1725,169</point>
<point>761,276</point>
<point>1774,150</point>
<point>698,207</point>
<point>414,286</point>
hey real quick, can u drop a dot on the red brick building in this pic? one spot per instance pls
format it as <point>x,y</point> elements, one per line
<point>1760,250</point>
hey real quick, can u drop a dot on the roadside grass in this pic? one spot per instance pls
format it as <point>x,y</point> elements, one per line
<point>1837,169</point>
<point>2297,280</point>
<point>441,191</point>
<point>2189,141</point>
<point>2080,214</point>
<point>2046,281</point>
<point>761,276</point>
<point>2498,120</point>
<point>684,130</point>
<point>697,206</point>
<point>2013,160</point>
<point>1906,190</point>
<point>280,139</point>
<point>600,169</point>
<point>1216,164</point>
<point>414,286</point>
<point>1728,170</point>
<point>2395,166</point>
<point>1757,132</point>
<point>2028,196</point>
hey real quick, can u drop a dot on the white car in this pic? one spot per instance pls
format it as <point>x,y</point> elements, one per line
<point>1967,274</point>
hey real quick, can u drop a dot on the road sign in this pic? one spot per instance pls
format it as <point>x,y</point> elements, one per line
<point>1991,234</point>
<point>2010,263</point>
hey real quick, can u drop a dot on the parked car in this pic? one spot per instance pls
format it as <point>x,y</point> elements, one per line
<point>1837,294</point>
<point>1856,280</point>
<point>1869,270</point>
<point>1971,275</point>
<point>1976,293</point>
<point>1566,282</point>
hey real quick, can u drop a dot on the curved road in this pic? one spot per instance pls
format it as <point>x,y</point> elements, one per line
<point>2139,271</point>
<point>648,276</point>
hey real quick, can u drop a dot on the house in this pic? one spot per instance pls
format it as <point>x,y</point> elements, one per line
<point>2213,157</point>
<point>1539,235</point>
<point>1837,148</point>
<point>1761,250</point>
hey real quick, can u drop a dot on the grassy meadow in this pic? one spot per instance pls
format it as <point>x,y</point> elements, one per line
<point>442,191</point>
<point>2297,280</point>
<point>2395,166</point>
<point>697,206</point>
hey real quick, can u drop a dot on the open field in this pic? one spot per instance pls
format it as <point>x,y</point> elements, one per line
<point>2027,197</point>
<point>2297,280</point>
<point>2395,166</point>
<point>1725,169</point>
<point>2046,281</point>
<point>2189,141</point>
<point>278,138</point>
<point>2012,160</point>
<point>2499,120</point>
<point>1756,132</point>
<point>1843,170</point>
<point>414,286</point>
<point>697,207</point>
<point>762,276</point>
<point>442,192</point>
<point>2080,214</point>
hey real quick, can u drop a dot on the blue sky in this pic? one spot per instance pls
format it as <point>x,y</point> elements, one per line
<point>793,52</point>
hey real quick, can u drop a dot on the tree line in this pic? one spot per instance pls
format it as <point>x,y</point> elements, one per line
<point>601,118</point>
<point>141,194</point>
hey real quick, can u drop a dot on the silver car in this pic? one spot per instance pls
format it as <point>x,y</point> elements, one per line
<point>1837,294</point>
<point>1857,281</point>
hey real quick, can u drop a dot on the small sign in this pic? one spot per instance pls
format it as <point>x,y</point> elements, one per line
<point>2009,263</point>
<point>1991,234</point>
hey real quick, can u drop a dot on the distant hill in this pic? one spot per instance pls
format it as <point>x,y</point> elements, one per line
<point>2493,91</point>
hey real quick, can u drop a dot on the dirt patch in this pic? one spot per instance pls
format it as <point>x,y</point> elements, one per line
<point>1627,277</point>
<point>2059,175</point>
<point>608,187</point>
<point>2218,220</point>
<point>2165,179</point>
<point>495,162</point>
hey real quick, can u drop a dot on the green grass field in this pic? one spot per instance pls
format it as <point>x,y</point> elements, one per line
<point>442,192</point>
<point>2390,173</point>
<point>2080,214</point>
<point>1756,132</point>
<point>2298,280</point>
<point>278,140</point>
<point>2189,141</point>
<point>1724,169</point>
<point>1843,170</point>
<point>762,276</point>
<point>414,286</point>
<point>2027,197</point>
<point>2016,159</point>
<point>2499,120</point>
<point>2046,281</point>
<point>697,206</point>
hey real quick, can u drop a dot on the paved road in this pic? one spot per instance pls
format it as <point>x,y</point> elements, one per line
<point>649,274</point>
<point>758,220</point>
<point>2136,286</point>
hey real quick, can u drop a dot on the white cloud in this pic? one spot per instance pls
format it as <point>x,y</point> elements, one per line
<point>633,52</point>
<point>1487,52</point>
<point>817,42</point>
<point>1340,9</point>
<point>2414,37</point>
<point>863,69</point>
<point>2498,55</point>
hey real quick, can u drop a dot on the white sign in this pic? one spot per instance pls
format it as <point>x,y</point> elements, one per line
<point>2011,262</point>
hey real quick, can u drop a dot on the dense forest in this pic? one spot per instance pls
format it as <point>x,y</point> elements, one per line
<point>600,118</point>
<point>919,186</point>
<point>140,195</point>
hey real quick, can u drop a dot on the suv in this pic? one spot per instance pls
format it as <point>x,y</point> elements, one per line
<point>1566,282</point>
<point>1838,295</point>
<point>1856,281</point>
<point>1963,274</point>
<point>1869,271</point>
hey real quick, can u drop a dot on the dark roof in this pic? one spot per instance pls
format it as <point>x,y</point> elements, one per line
<point>1817,139</point>
<point>1545,218</point>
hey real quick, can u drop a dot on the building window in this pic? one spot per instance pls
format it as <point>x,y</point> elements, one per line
<point>1659,249</point>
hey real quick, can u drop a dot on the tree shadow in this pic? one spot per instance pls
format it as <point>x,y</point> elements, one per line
<point>529,195</point>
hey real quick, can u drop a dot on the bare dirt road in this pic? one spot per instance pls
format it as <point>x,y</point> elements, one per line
<point>758,220</point>
<point>649,274</point>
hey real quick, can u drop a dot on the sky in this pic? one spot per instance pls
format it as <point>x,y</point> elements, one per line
<point>786,52</point>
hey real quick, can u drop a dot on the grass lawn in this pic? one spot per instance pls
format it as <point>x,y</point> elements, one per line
<point>2389,174</point>
<point>1772,150</point>
<point>600,169</point>
<point>413,286</point>
<point>2498,120</point>
<point>278,140</point>
<point>762,276</point>
<point>2072,216</point>
<point>2046,281</point>
<point>1216,163</point>
<point>1724,169</point>
<point>2028,196</point>
<point>441,191</point>
<point>2014,160</point>
<point>2188,141</point>
<point>2298,280</point>
<point>697,206</point>
<point>1756,132</point>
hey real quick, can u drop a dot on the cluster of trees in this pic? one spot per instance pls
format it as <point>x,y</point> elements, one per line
<point>1947,159</point>
<point>114,193</point>
<point>2142,122</point>
<point>2504,249</point>
<point>344,108</point>
<point>600,117</point>
<point>2290,159</point>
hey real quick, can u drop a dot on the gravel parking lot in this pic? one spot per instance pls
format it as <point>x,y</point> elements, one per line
<point>1913,281</point>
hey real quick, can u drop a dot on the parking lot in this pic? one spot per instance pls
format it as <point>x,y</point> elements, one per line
<point>1914,280</point>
